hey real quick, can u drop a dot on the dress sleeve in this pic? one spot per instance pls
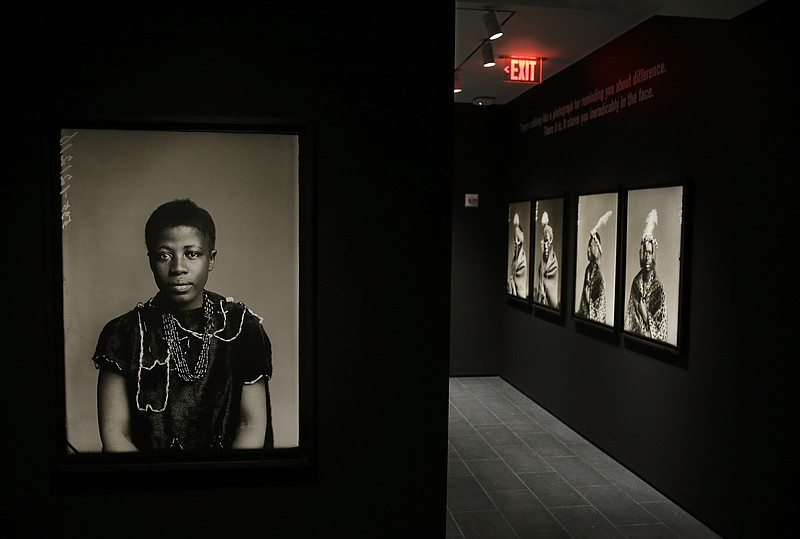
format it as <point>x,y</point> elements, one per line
<point>114,345</point>
<point>254,351</point>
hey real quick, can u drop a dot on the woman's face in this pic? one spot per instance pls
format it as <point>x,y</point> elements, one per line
<point>647,256</point>
<point>547,243</point>
<point>180,261</point>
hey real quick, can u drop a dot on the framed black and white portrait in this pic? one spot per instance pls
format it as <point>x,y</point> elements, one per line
<point>191,361</point>
<point>596,255</point>
<point>548,226</point>
<point>519,242</point>
<point>654,246</point>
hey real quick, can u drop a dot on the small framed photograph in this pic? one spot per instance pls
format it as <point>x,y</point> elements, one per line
<point>519,242</point>
<point>182,304</point>
<point>654,260</point>
<point>596,258</point>
<point>548,225</point>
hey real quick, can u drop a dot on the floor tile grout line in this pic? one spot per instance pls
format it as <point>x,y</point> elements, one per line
<point>681,510</point>
<point>557,421</point>
<point>497,509</point>
<point>502,514</point>
<point>639,504</point>
<point>460,531</point>
<point>526,488</point>
<point>553,470</point>
<point>516,474</point>
<point>588,502</point>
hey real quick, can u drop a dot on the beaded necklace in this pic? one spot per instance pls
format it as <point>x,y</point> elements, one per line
<point>174,345</point>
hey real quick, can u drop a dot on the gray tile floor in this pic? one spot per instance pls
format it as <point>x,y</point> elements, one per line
<point>515,471</point>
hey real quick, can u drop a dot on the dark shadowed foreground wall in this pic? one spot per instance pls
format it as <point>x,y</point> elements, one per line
<point>382,168</point>
<point>714,427</point>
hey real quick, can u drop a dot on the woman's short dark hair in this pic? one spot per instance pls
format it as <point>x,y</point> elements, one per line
<point>179,212</point>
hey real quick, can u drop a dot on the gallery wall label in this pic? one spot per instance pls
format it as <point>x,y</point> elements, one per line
<point>606,99</point>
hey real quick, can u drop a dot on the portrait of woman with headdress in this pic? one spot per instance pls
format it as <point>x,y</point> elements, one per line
<point>593,293</point>
<point>518,278</point>
<point>646,312</point>
<point>596,244</point>
<point>547,291</point>
<point>653,260</point>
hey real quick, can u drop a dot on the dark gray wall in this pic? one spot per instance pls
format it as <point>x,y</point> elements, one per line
<point>383,173</point>
<point>478,281</point>
<point>711,428</point>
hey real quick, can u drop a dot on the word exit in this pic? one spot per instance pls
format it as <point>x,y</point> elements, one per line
<point>522,70</point>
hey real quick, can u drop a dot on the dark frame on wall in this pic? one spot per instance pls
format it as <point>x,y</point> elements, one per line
<point>655,289</point>
<point>518,262</point>
<point>550,234</point>
<point>254,176</point>
<point>597,259</point>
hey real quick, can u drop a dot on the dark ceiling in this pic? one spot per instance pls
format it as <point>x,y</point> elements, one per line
<point>562,31</point>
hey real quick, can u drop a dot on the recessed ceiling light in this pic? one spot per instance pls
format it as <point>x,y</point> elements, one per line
<point>483,100</point>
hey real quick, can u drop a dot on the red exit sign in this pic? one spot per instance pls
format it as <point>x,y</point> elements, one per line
<point>519,69</point>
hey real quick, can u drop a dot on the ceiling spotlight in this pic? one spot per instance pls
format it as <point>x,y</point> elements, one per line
<point>483,100</point>
<point>492,26</point>
<point>457,81</point>
<point>488,54</point>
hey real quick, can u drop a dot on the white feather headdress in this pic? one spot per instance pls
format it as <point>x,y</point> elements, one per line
<point>649,226</point>
<point>650,223</point>
<point>601,222</point>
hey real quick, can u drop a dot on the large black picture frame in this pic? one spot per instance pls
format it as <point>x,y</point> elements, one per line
<point>663,212</point>
<point>255,176</point>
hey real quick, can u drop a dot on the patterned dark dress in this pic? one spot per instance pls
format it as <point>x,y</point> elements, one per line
<point>652,294</point>
<point>169,412</point>
<point>593,297</point>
